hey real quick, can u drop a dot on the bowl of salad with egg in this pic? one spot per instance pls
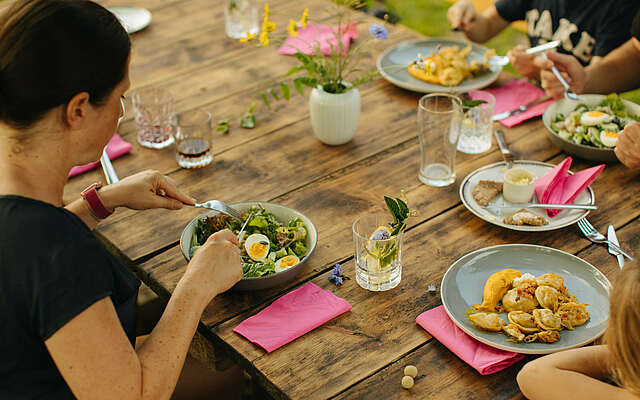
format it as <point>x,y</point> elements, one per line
<point>274,246</point>
<point>589,128</point>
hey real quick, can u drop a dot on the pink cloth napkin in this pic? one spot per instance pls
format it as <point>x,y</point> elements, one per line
<point>514,94</point>
<point>318,35</point>
<point>115,149</point>
<point>291,316</point>
<point>483,358</point>
<point>558,187</point>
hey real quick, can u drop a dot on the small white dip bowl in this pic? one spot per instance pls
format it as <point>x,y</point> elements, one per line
<point>518,185</point>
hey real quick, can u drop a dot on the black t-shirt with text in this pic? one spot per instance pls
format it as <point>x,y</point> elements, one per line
<point>587,28</point>
<point>52,268</point>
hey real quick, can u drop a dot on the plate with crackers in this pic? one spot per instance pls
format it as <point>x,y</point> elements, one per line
<point>482,193</point>
<point>438,65</point>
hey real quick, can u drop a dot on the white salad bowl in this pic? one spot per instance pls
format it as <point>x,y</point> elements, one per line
<point>284,214</point>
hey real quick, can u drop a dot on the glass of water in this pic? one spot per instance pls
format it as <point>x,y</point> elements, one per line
<point>476,127</point>
<point>241,18</point>
<point>439,117</point>
<point>377,253</point>
<point>193,138</point>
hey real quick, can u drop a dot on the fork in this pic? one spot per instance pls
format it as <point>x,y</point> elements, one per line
<point>220,207</point>
<point>596,237</point>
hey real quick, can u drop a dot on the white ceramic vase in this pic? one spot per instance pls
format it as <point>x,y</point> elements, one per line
<point>334,117</point>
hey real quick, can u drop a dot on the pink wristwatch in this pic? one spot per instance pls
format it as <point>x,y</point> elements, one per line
<point>90,195</point>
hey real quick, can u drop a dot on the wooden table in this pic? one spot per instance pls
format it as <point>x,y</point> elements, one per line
<point>361,353</point>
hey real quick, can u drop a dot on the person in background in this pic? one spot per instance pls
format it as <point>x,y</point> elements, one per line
<point>588,30</point>
<point>619,71</point>
<point>580,373</point>
<point>68,306</point>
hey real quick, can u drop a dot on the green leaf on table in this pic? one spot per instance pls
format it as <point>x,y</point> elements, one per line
<point>223,126</point>
<point>252,108</point>
<point>265,100</point>
<point>299,86</point>
<point>286,92</point>
<point>248,121</point>
<point>274,94</point>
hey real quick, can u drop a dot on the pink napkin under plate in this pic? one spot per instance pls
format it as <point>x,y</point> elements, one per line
<point>116,148</point>
<point>483,358</point>
<point>291,316</point>
<point>558,187</point>
<point>319,36</point>
<point>512,95</point>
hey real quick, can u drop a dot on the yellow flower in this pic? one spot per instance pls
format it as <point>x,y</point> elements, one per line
<point>303,20</point>
<point>267,26</point>
<point>293,28</point>
<point>248,36</point>
<point>266,11</point>
<point>264,38</point>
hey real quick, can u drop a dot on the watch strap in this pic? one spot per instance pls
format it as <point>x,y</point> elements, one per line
<point>90,195</point>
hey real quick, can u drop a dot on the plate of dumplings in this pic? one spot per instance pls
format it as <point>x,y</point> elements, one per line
<point>526,298</point>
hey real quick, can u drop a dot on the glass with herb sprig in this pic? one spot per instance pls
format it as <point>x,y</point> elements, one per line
<point>241,18</point>
<point>378,246</point>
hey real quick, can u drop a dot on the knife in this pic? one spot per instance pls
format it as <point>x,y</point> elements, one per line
<point>519,110</point>
<point>506,153</point>
<point>611,236</point>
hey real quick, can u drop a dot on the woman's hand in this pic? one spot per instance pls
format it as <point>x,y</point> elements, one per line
<point>462,15</point>
<point>523,62</point>
<point>570,69</point>
<point>143,191</point>
<point>216,266</point>
<point>628,147</point>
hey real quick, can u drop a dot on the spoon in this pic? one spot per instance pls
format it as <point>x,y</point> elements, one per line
<point>567,90</point>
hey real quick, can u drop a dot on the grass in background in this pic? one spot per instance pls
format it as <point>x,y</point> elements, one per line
<point>429,17</point>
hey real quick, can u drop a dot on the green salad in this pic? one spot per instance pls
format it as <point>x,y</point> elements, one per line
<point>267,246</point>
<point>594,126</point>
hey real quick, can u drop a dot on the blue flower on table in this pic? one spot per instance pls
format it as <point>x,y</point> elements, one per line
<point>336,275</point>
<point>378,31</point>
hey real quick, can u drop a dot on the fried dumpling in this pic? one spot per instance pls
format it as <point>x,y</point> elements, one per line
<point>547,297</point>
<point>551,279</point>
<point>544,336</point>
<point>513,332</point>
<point>524,321</point>
<point>525,281</point>
<point>546,319</point>
<point>495,289</point>
<point>487,321</point>
<point>572,314</point>
<point>519,300</point>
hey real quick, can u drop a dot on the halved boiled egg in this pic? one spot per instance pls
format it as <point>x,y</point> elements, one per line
<point>591,118</point>
<point>257,246</point>
<point>609,138</point>
<point>286,262</point>
<point>381,233</point>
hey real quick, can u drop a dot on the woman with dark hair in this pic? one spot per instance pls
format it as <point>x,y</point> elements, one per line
<point>68,307</point>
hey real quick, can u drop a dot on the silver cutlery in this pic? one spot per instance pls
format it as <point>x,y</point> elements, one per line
<point>596,237</point>
<point>109,172</point>
<point>501,61</point>
<point>519,110</point>
<point>543,205</point>
<point>568,93</point>
<point>506,153</point>
<point>220,207</point>
<point>241,233</point>
<point>611,236</point>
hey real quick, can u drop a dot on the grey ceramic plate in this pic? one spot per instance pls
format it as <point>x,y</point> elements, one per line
<point>283,214</point>
<point>463,284</point>
<point>565,106</point>
<point>495,172</point>
<point>392,65</point>
<point>133,19</point>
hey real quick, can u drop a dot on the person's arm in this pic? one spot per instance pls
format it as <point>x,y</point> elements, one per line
<point>95,357</point>
<point>478,27</point>
<point>142,191</point>
<point>618,71</point>
<point>571,374</point>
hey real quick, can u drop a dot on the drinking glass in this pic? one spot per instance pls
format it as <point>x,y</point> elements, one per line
<point>240,18</point>
<point>476,127</point>
<point>193,138</point>
<point>153,108</point>
<point>439,117</point>
<point>378,255</point>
